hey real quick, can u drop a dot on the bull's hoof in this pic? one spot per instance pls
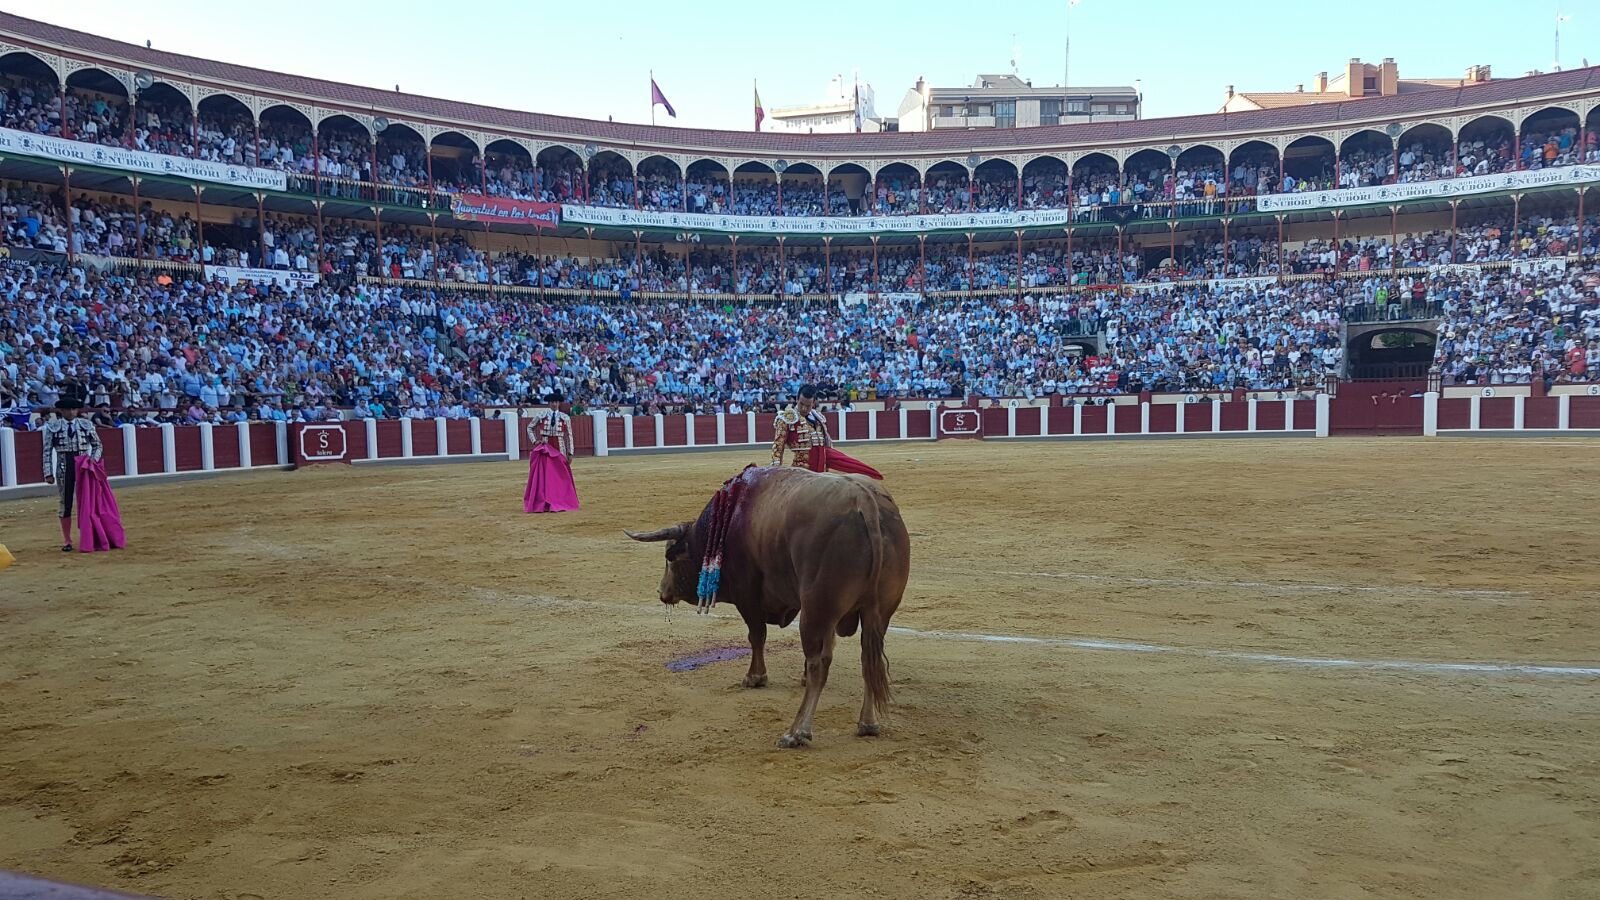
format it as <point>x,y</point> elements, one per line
<point>791,741</point>
<point>865,730</point>
<point>754,681</point>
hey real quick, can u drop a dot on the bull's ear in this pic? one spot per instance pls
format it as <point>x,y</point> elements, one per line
<point>670,533</point>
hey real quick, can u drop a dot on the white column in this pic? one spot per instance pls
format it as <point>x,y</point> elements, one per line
<point>1519,405</point>
<point>1430,414</point>
<point>1077,418</point>
<point>872,426</point>
<point>1564,412</point>
<point>1472,419</point>
<point>661,430</point>
<point>1216,415</point>
<point>371,428</point>
<point>602,439</point>
<point>1288,415</point>
<point>169,449</point>
<point>513,429</point>
<point>405,437</point>
<point>130,450</point>
<point>842,436</point>
<point>282,429</point>
<point>750,428</point>
<point>722,429</point>
<point>905,422</point>
<point>441,437</point>
<point>1178,422</point>
<point>1250,418</point>
<point>1011,421</point>
<point>688,430</point>
<point>1322,415</point>
<point>208,447</point>
<point>1144,417</point>
<point>8,458</point>
<point>627,432</point>
<point>475,427</point>
<point>1111,418</point>
<point>244,445</point>
<point>935,411</point>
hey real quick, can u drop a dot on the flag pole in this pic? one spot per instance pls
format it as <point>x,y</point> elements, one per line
<point>652,98</point>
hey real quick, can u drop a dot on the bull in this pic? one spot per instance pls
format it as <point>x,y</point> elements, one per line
<point>830,549</point>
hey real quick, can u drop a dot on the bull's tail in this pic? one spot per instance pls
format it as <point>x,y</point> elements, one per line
<point>874,624</point>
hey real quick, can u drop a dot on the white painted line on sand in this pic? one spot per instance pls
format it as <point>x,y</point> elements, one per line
<point>1406,665</point>
<point>1113,645</point>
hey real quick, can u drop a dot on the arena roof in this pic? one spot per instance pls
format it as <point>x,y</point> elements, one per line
<point>44,37</point>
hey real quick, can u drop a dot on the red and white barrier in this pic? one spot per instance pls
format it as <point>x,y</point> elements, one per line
<point>164,451</point>
<point>138,453</point>
<point>1486,413</point>
<point>1194,419</point>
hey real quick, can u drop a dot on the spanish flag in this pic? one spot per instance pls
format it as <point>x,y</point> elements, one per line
<point>760,113</point>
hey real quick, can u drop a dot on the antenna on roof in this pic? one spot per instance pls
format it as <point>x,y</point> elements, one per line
<point>147,43</point>
<point>1014,53</point>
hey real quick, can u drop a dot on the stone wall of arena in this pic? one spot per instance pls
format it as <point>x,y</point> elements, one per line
<point>136,454</point>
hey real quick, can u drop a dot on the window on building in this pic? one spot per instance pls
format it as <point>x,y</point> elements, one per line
<point>949,112</point>
<point>1049,111</point>
<point>1005,114</point>
<point>983,109</point>
<point>1077,107</point>
<point>1370,84</point>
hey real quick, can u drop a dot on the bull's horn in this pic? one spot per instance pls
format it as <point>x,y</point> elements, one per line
<point>670,533</point>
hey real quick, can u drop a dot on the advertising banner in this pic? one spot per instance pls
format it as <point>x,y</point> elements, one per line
<point>61,150</point>
<point>482,208</point>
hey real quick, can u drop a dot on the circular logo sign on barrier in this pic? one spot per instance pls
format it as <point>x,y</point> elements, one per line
<point>318,444</point>
<point>960,423</point>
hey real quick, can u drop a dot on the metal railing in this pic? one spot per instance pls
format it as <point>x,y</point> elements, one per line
<point>1407,311</point>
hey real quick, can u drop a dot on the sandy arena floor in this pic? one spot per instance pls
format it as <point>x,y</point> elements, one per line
<point>390,683</point>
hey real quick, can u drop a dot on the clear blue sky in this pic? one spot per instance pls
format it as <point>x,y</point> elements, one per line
<point>594,59</point>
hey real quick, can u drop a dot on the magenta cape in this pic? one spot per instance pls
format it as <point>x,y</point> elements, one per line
<point>550,487</point>
<point>99,520</point>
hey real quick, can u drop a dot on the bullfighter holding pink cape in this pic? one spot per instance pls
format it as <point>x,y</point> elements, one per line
<point>72,450</point>
<point>550,485</point>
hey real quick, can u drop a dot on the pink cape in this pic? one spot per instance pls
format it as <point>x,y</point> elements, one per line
<point>550,486</point>
<point>99,520</point>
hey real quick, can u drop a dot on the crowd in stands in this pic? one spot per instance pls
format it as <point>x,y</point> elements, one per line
<point>155,349</point>
<point>35,218</point>
<point>346,160</point>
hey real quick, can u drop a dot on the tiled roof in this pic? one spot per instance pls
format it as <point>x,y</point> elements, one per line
<point>334,94</point>
<point>1281,99</point>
